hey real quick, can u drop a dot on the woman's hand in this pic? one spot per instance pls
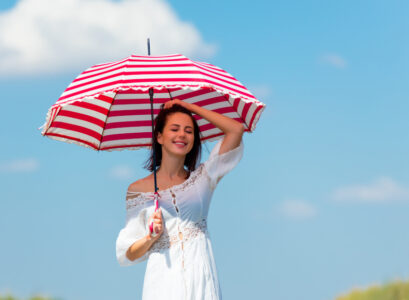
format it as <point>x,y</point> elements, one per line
<point>170,103</point>
<point>156,217</point>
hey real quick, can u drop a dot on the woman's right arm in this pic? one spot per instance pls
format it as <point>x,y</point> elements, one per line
<point>141,246</point>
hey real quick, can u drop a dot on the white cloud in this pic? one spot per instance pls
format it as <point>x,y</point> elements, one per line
<point>383,189</point>
<point>122,172</point>
<point>24,165</point>
<point>48,36</point>
<point>334,60</point>
<point>297,209</point>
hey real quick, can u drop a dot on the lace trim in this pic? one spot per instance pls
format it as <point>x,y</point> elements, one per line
<point>137,199</point>
<point>134,199</point>
<point>166,241</point>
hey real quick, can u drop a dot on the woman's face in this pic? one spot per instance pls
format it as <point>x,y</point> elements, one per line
<point>178,134</point>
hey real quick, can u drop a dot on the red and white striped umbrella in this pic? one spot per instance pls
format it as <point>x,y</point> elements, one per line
<point>107,107</point>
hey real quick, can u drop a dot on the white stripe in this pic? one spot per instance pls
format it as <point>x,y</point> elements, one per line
<point>129,118</point>
<point>122,68</point>
<point>81,123</point>
<point>74,134</point>
<point>250,113</point>
<point>138,96</point>
<point>126,142</point>
<point>210,132</point>
<point>92,92</point>
<point>141,106</point>
<point>85,111</point>
<point>240,108</point>
<point>122,130</point>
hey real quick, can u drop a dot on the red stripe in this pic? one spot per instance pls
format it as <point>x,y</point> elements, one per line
<point>210,101</point>
<point>254,115</point>
<point>222,110</point>
<point>106,70</point>
<point>80,116</point>
<point>71,87</point>
<point>127,136</point>
<point>245,110</point>
<point>99,88</point>
<point>147,59</point>
<point>76,128</point>
<point>105,98</point>
<point>159,56</point>
<point>236,103</point>
<point>130,112</point>
<point>210,67</point>
<point>225,75</point>
<point>207,126</point>
<point>126,146</point>
<point>128,124</point>
<point>140,101</point>
<point>195,93</point>
<point>90,106</point>
<point>73,138</point>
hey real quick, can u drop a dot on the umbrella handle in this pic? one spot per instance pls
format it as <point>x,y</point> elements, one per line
<point>156,202</point>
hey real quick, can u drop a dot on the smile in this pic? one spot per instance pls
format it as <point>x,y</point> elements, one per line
<point>180,144</point>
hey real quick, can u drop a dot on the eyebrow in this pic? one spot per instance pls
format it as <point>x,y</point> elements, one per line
<point>179,126</point>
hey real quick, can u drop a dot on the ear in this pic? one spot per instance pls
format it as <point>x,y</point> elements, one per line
<point>159,138</point>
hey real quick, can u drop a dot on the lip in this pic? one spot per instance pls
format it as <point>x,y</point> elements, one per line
<point>180,144</point>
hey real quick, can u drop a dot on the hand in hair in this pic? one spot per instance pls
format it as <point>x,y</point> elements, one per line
<point>170,103</point>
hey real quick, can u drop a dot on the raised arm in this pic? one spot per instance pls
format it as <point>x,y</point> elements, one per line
<point>232,129</point>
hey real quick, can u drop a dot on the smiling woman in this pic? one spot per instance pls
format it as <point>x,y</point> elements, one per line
<point>180,257</point>
<point>177,124</point>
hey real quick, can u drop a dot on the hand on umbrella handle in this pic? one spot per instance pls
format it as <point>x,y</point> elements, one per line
<point>152,232</point>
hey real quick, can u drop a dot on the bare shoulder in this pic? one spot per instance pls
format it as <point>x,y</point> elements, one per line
<point>142,185</point>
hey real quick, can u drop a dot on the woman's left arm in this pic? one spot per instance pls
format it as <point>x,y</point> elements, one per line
<point>232,129</point>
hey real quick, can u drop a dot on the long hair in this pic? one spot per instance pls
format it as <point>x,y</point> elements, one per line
<point>160,121</point>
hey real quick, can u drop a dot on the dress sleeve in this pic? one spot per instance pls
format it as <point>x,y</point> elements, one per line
<point>136,227</point>
<point>219,165</point>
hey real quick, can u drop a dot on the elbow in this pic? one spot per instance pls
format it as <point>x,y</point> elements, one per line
<point>238,129</point>
<point>128,255</point>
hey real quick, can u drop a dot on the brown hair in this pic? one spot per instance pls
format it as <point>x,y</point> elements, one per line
<point>160,121</point>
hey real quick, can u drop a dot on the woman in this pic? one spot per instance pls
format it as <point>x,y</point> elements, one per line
<point>180,258</point>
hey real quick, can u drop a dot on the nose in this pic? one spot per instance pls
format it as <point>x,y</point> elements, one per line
<point>182,133</point>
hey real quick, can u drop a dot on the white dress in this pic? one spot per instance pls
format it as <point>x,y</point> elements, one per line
<point>179,269</point>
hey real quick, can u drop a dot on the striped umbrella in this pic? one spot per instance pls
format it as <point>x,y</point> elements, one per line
<point>111,106</point>
<point>107,107</point>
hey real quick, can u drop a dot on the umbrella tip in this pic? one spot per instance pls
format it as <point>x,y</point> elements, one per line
<point>149,46</point>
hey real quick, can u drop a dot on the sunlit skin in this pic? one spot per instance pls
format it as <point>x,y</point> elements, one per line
<point>176,141</point>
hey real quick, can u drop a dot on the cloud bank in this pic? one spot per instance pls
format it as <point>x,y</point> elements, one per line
<point>297,209</point>
<point>334,60</point>
<point>25,165</point>
<point>122,172</point>
<point>55,36</point>
<point>383,189</point>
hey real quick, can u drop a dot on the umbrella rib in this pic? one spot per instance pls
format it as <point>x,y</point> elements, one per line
<point>105,123</point>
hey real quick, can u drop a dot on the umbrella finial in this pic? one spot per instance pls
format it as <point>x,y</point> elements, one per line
<point>149,46</point>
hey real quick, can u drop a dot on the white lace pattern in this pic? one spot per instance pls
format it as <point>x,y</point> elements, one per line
<point>166,241</point>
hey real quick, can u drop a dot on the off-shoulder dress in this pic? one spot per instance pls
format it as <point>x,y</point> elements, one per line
<point>179,268</point>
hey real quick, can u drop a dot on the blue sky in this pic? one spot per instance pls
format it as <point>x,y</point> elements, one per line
<point>319,203</point>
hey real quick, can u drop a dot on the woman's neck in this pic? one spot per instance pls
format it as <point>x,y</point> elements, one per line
<point>172,166</point>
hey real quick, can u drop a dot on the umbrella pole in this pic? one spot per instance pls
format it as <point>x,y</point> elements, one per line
<point>153,141</point>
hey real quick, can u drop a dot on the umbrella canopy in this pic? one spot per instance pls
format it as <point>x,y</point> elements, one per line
<point>107,107</point>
